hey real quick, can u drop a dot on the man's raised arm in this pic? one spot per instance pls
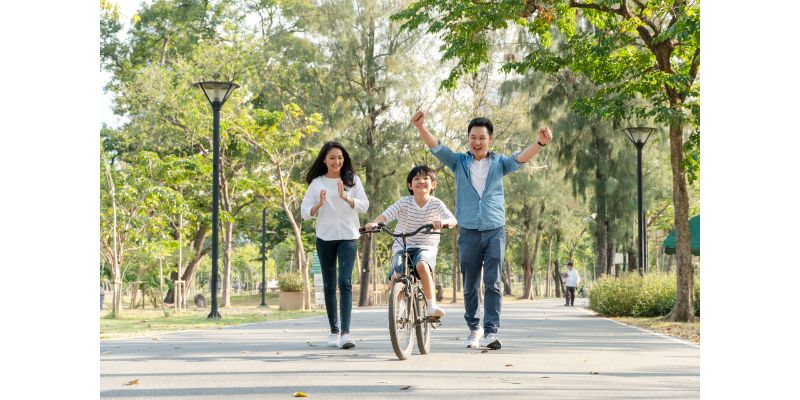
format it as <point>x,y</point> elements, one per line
<point>418,120</point>
<point>545,136</point>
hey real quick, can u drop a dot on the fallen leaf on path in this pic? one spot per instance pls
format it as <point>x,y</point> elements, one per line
<point>405,387</point>
<point>155,338</point>
<point>544,377</point>
<point>178,347</point>
<point>106,352</point>
<point>310,344</point>
<point>509,365</point>
<point>594,372</point>
<point>133,382</point>
<point>299,394</point>
<point>384,381</point>
<point>245,352</point>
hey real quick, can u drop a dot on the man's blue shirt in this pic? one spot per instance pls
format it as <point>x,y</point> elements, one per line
<point>485,212</point>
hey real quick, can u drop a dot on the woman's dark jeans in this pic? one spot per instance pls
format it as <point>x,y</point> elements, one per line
<point>345,251</point>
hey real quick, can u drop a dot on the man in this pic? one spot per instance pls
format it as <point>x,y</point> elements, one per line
<point>480,211</point>
<point>572,281</point>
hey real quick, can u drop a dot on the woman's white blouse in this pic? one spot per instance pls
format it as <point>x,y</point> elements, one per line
<point>336,220</point>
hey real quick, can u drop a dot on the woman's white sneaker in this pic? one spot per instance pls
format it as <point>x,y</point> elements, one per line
<point>347,341</point>
<point>333,340</point>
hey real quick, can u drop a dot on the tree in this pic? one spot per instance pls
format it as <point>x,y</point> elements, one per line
<point>280,136</point>
<point>644,55</point>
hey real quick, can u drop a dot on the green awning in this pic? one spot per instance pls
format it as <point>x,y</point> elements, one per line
<point>694,235</point>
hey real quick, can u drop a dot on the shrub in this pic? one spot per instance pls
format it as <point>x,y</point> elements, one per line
<point>290,282</point>
<point>633,295</point>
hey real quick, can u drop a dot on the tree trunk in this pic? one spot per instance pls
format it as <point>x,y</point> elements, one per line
<point>526,256</point>
<point>456,266</point>
<point>190,270</point>
<point>535,260</point>
<point>684,298</point>
<point>559,284</point>
<point>227,240</point>
<point>549,263</point>
<point>367,243</point>
<point>506,279</point>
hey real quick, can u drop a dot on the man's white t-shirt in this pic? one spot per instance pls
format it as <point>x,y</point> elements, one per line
<point>478,172</point>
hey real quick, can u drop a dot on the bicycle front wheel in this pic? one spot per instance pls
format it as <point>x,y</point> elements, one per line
<point>401,321</point>
<point>423,328</point>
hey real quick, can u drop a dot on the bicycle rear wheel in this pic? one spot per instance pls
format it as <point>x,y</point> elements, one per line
<point>401,321</point>
<point>423,328</point>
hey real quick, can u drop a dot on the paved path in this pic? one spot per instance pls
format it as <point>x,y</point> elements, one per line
<point>549,352</point>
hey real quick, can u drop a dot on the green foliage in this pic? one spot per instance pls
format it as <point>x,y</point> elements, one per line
<point>290,282</point>
<point>636,296</point>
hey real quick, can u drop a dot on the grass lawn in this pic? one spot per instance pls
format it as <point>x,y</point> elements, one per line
<point>150,321</point>
<point>685,330</point>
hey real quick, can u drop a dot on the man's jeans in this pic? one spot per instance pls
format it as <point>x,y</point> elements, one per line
<point>345,251</point>
<point>482,249</point>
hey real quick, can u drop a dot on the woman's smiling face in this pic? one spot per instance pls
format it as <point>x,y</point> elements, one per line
<point>334,160</point>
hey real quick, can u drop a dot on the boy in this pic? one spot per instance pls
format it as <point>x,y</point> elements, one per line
<point>480,209</point>
<point>411,212</point>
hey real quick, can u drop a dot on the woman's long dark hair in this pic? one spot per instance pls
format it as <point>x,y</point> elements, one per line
<point>318,168</point>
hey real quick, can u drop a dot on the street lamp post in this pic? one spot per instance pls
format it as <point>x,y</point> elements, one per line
<point>216,92</point>
<point>639,136</point>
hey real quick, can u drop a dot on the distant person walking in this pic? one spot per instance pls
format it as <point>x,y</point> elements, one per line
<point>335,196</point>
<point>571,282</point>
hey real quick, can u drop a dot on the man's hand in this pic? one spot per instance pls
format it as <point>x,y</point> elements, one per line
<point>437,224</point>
<point>370,226</point>
<point>545,135</point>
<point>418,119</point>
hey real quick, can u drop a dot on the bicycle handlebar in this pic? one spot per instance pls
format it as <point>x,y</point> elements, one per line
<point>382,228</point>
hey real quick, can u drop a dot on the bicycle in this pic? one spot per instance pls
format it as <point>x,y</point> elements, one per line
<point>407,304</point>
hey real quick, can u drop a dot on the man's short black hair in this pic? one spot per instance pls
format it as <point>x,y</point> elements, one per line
<point>481,121</point>
<point>569,264</point>
<point>422,170</point>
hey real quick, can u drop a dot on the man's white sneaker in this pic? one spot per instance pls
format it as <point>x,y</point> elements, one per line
<point>473,338</point>
<point>434,312</point>
<point>333,340</point>
<point>347,341</point>
<point>491,341</point>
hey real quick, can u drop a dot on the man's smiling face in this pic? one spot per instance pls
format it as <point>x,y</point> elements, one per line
<point>479,141</point>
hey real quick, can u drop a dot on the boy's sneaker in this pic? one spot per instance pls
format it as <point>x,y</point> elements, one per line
<point>347,341</point>
<point>434,312</point>
<point>491,341</point>
<point>473,338</point>
<point>333,340</point>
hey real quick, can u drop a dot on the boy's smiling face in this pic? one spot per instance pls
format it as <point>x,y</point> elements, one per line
<point>422,185</point>
<point>479,142</point>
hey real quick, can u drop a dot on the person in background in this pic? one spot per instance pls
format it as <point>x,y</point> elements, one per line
<point>571,282</point>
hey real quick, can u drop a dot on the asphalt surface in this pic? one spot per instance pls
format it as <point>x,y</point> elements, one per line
<point>549,352</point>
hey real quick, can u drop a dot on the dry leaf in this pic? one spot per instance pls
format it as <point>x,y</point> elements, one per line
<point>384,381</point>
<point>544,377</point>
<point>509,365</point>
<point>299,394</point>
<point>484,351</point>
<point>594,372</point>
<point>405,387</point>
<point>178,347</point>
<point>245,352</point>
<point>133,382</point>
<point>155,338</point>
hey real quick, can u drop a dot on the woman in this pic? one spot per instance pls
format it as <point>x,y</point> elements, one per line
<point>335,196</point>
